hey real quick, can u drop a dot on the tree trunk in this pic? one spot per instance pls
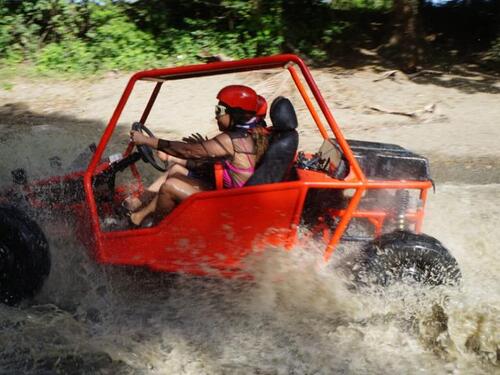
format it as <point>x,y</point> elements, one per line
<point>404,47</point>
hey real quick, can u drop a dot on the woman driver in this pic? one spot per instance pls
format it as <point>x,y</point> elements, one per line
<point>237,146</point>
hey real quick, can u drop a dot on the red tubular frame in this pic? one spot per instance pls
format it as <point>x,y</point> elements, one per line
<point>356,180</point>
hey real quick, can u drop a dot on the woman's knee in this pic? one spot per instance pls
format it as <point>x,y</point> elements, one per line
<point>166,188</point>
<point>177,188</point>
<point>171,186</point>
<point>177,169</point>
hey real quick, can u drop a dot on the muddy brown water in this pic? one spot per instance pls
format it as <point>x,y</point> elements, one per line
<point>94,319</point>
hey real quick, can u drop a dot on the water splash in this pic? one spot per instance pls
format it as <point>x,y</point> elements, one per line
<point>298,315</point>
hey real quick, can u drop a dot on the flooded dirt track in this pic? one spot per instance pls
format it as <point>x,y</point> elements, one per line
<point>91,319</point>
<point>108,320</point>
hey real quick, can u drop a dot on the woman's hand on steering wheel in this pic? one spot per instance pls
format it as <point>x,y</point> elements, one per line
<point>140,139</point>
<point>145,144</point>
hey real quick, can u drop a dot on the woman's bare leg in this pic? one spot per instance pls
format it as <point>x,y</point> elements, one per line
<point>175,169</point>
<point>135,203</point>
<point>175,189</point>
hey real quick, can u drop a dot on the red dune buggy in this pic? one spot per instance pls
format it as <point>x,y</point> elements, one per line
<point>347,190</point>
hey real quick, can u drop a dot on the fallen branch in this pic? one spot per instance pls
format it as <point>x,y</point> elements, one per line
<point>426,71</point>
<point>427,109</point>
<point>379,109</point>
<point>390,74</point>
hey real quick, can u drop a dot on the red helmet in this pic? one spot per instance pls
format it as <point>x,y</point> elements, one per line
<point>261,106</point>
<point>239,96</point>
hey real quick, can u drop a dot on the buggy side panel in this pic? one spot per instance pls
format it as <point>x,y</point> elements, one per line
<point>210,231</point>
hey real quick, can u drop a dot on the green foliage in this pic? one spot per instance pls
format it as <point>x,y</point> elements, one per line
<point>7,23</point>
<point>86,36</point>
<point>362,4</point>
<point>492,57</point>
<point>15,36</point>
<point>75,37</point>
<point>236,28</point>
<point>311,26</point>
<point>7,86</point>
<point>117,43</point>
<point>72,56</point>
<point>494,52</point>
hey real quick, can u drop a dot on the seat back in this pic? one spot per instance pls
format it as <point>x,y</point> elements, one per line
<point>278,158</point>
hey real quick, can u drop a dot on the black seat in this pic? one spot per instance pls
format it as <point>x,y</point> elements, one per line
<point>277,161</point>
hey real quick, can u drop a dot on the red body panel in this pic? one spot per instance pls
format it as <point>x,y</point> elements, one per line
<point>209,231</point>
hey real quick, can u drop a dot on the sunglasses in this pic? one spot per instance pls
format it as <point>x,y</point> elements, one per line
<point>220,110</point>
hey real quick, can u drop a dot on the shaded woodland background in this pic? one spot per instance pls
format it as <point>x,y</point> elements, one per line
<point>85,37</point>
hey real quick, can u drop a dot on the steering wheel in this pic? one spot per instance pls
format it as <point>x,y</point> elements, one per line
<point>146,152</point>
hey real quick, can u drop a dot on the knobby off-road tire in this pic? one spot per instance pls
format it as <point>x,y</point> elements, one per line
<point>24,256</point>
<point>407,257</point>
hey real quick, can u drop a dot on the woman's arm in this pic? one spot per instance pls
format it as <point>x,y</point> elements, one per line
<point>215,148</point>
<point>169,159</point>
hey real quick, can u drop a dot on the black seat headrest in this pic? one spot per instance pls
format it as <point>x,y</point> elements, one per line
<point>283,115</point>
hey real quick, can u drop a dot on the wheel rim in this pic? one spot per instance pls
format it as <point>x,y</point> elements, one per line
<point>410,274</point>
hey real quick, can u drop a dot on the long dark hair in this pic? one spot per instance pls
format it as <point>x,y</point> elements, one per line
<point>259,134</point>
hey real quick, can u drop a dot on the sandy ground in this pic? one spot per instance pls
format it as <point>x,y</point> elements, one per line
<point>452,119</point>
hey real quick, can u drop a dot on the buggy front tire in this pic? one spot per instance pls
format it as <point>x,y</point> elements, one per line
<point>24,256</point>
<point>406,257</point>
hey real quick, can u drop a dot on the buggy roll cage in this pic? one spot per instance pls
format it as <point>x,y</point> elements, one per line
<point>356,180</point>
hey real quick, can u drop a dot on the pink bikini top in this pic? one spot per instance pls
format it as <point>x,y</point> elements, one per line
<point>232,176</point>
